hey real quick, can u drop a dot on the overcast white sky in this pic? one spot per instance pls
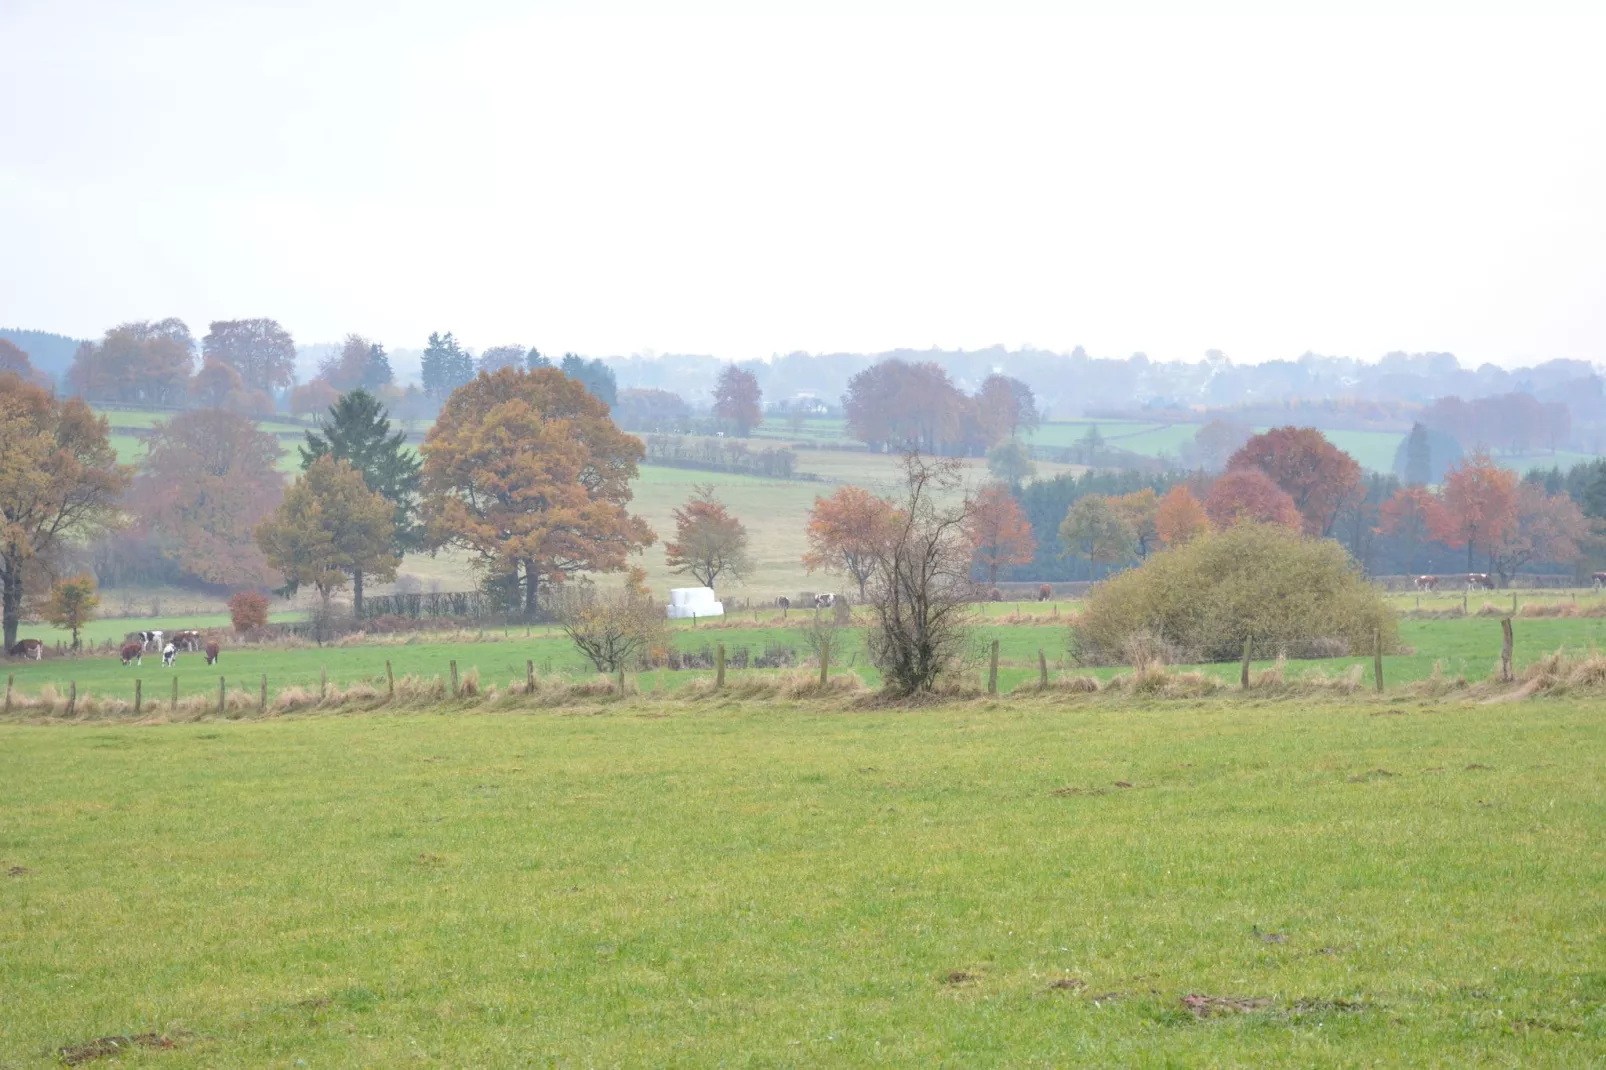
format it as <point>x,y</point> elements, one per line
<point>720,183</point>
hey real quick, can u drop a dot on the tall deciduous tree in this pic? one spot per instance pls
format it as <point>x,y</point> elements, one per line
<point>15,361</point>
<point>215,384</point>
<point>357,430</point>
<point>137,362</point>
<point>1248,494</point>
<point>1316,474</point>
<point>349,368</point>
<point>738,400</point>
<point>261,351</point>
<point>899,405</point>
<point>919,596</point>
<point>1092,528</point>
<point>72,604</point>
<point>1480,500</point>
<point>526,470</point>
<point>208,478</point>
<point>498,357</point>
<point>1005,408</point>
<point>849,532</point>
<point>1544,527</point>
<point>328,527</point>
<point>59,481</point>
<point>1410,515</point>
<point>445,365</point>
<point>1140,512</point>
<point>999,533</point>
<point>709,541</point>
<point>1180,516</point>
<point>1011,462</point>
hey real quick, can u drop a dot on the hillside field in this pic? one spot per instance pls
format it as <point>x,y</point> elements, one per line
<point>1021,882</point>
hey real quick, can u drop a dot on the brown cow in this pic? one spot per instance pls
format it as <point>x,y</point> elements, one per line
<point>1044,593</point>
<point>211,652</point>
<point>187,640</point>
<point>134,652</point>
<point>1427,583</point>
<point>28,648</point>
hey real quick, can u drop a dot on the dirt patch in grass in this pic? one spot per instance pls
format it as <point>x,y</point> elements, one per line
<point>1476,766</point>
<point>1123,783</point>
<point>1269,938</point>
<point>1213,1006</point>
<point>1067,983</point>
<point>1327,1006</point>
<point>960,977</point>
<point>101,1047</point>
<point>1061,793</point>
<point>17,871</point>
<point>1371,775</point>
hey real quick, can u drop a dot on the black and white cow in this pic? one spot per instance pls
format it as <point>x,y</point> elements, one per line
<point>168,653</point>
<point>150,640</point>
<point>824,601</point>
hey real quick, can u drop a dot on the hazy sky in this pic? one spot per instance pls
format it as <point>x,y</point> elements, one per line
<point>727,184</point>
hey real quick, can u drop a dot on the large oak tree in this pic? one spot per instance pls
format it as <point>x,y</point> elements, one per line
<point>526,470</point>
<point>261,351</point>
<point>59,480</point>
<point>1317,475</point>
<point>738,400</point>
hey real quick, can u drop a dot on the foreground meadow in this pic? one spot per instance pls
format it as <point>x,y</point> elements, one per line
<point>1222,882</point>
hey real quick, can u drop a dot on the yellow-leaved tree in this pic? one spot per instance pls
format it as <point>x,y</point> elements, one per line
<point>329,527</point>
<point>526,470</point>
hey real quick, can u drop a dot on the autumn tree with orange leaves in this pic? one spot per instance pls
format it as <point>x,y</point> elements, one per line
<point>1480,501</point>
<point>1180,516</point>
<point>709,541</point>
<point>848,532</point>
<point>209,478</point>
<point>1248,494</point>
<point>999,532</point>
<point>1411,515</point>
<point>525,470</point>
<point>59,481</point>
<point>1544,528</point>
<point>1317,475</point>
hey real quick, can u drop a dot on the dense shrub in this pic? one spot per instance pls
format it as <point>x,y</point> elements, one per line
<point>1199,602</point>
<point>248,610</point>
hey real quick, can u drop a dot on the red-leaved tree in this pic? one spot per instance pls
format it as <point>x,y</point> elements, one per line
<point>1480,500</point>
<point>1317,475</point>
<point>1248,494</point>
<point>998,531</point>
<point>848,532</point>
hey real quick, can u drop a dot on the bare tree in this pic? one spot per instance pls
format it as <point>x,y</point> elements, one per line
<point>614,629</point>
<point>919,597</point>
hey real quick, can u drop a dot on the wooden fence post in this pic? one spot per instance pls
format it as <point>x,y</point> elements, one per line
<point>1463,603</point>
<point>992,670</point>
<point>173,706</point>
<point>454,677</point>
<point>719,664</point>
<point>529,675</point>
<point>1377,658</point>
<point>10,678</point>
<point>72,696</point>
<point>262,697</point>
<point>323,681</point>
<point>1042,670</point>
<point>1505,650</point>
<point>621,680</point>
<point>390,682</point>
<point>222,693</point>
<point>136,697</point>
<point>1243,673</point>
<point>825,664</point>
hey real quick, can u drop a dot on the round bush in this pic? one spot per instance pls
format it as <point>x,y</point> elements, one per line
<point>1199,602</point>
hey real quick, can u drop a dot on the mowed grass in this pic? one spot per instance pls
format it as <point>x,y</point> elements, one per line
<point>796,886</point>
<point>1466,647</point>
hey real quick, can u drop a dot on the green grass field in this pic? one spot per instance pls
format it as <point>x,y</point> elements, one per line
<point>1013,883</point>
<point>1465,647</point>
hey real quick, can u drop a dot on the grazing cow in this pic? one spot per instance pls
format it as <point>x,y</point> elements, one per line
<point>1480,580</point>
<point>149,640</point>
<point>824,601</point>
<point>1427,583</point>
<point>134,652</point>
<point>783,603</point>
<point>1598,579</point>
<point>188,641</point>
<point>28,648</point>
<point>1044,593</point>
<point>211,653</point>
<point>168,652</point>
